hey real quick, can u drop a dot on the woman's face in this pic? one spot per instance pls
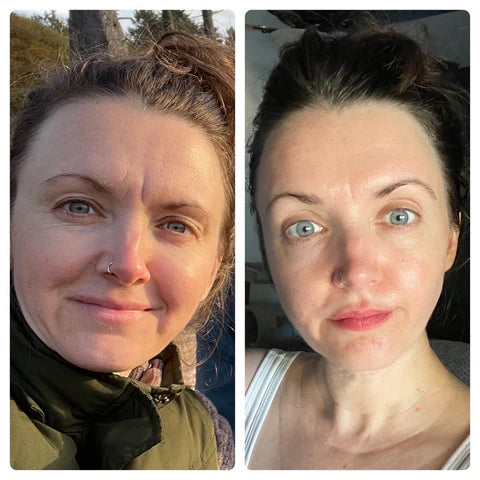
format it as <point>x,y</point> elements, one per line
<point>355,220</point>
<point>107,180</point>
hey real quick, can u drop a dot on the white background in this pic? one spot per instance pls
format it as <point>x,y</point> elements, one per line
<point>239,8</point>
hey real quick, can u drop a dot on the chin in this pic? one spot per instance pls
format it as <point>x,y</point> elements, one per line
<point>360,364</point>
<point>101,365</point>
<point>110,358</point>
<point>362,354</point>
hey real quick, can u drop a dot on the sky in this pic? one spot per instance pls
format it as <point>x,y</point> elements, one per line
<point>222,19</point>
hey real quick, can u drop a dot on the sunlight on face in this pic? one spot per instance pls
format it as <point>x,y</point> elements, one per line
<point>355,220</point>
<point>106,180</point>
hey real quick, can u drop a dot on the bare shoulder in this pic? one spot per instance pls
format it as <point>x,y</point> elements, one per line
<point>253,359</point>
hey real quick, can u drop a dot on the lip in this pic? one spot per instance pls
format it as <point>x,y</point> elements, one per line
<point>111,304</point>
<point>111,311</point>
<point>364,319</point>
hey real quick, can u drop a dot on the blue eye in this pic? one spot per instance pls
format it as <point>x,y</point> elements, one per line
<point>177,227</point>
<point>305,228</point>
<point>400,216</point>
<point>79,207</point>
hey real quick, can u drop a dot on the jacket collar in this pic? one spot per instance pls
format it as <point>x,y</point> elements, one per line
<point>89,406</point>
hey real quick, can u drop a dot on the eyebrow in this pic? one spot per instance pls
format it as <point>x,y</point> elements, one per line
<point>185,206</point>
<point>315,200</point>
<point>96,183</point>
<point>105,188</point>
<point>402,183</point>
<point>308,199</point>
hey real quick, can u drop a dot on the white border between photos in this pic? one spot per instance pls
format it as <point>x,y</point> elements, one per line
<point>240,8</point>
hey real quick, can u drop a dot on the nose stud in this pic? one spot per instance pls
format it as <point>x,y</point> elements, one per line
<point>340,280</point>
<point>109,271</point>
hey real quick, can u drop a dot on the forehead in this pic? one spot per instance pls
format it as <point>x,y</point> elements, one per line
<point>350,148</point>
<point>131,147</point>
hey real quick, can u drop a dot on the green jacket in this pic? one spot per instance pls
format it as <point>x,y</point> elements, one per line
<point>64,417</point>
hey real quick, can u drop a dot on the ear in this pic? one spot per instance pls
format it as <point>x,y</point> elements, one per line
<point>213,276</point>
<point>452,247</point>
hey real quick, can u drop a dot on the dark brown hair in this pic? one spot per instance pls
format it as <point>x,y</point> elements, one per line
<point>189,76</point>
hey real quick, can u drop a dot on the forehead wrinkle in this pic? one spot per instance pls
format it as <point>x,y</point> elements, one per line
<point>168,197</point>
<point>354,163</point>
<point>294,132</point>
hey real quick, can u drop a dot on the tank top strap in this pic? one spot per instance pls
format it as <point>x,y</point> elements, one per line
<point>460,459</point>
<point>261,393</point>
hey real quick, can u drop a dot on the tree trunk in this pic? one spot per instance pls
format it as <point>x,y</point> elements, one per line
<point>168,21</point>
<point>93,31</point>
<point>208,27</point>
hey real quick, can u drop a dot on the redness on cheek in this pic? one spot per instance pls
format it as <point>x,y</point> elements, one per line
<point>417,409</point>
<point>178,279</point>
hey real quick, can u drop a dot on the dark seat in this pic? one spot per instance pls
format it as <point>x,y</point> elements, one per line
<point>455,356</point>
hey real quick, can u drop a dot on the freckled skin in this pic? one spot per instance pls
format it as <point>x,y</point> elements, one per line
<point>344,158</point>
<point>149,160</point>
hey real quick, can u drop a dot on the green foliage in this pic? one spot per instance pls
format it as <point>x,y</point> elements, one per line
<point>34,48</point>
<point>50,19</point>
<point>147,24</point>
<point>150,25</point>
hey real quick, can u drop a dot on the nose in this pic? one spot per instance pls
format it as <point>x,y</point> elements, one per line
<point>125,260</point>
<point>358,266</point>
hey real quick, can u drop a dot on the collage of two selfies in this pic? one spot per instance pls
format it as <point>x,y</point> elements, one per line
<point>151,329</point>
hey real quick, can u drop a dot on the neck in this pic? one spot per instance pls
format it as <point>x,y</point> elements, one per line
<point>376,404</point>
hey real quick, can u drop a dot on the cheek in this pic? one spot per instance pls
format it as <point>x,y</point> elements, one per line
<point>301,280</point>
<point>419,267</point>
<point>46,260</point>
<point>419,281</point>
<point>181,280</point>
<point>43,262</point>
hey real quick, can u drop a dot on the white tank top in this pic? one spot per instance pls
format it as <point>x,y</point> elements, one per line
<point>261,393</point>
